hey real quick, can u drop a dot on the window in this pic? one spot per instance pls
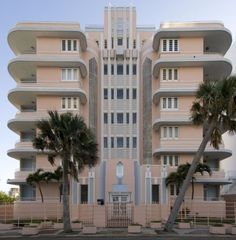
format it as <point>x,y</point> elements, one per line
<point>127,42</point>
<point>105,117</point>
<point>84,193</point>
<point>127,93</point>
<point>127,69</point>
<point>70,103</point>
<point>170,132</point>
<point>134,93</point>
<point>170,103</point>
<point>105,93</point>
<point>112,93</point>
<point>127,142</point>
<point>112,118</point>
<point>119,93</point>
<point>105,44</point>
<point>112,42</point>
<point>169,74</point>
<point>119,69</point>
<point>112,142</point>
<point>120,142</point>
<point>119,118</point>
<point>134,44</point>
<point>127,118</point>
<point>174,191</point>
<point>69,74</point>
<point>105,69</point>
<point>134,142</point>
<point>170,160</point>
<point>69,45</point>
<point>134,69</point>
<point>134,118</point>
<point>119,170</point>
<point>170,45</point>
<point>119,41</point>
<point>155,193</point>
<point>105,142</point>
<point>112,69</point>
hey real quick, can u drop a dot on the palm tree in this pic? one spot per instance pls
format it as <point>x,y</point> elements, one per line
<point>214,108</point>
<point>67,136</point>
<point>178,177</point>
<point>35,179</point>
<point>57,176</point>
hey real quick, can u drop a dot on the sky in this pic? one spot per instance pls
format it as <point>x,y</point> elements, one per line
<point>86,12</point>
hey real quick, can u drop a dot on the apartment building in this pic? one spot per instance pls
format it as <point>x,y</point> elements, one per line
<point>134,86</point>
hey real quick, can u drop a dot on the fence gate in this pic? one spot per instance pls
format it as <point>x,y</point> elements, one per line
<point>119,214</point>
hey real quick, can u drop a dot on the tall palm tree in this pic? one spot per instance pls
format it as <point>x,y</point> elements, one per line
<point>67,136</point>
<point>35,179</point>
<point>214,108</point>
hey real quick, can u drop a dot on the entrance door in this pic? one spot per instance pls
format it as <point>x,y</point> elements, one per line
<point>119,210</point>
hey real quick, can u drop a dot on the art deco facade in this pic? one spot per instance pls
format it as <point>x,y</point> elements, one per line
<point>134,87</point>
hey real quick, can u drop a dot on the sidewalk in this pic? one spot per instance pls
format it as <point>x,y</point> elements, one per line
<point>117,232</point>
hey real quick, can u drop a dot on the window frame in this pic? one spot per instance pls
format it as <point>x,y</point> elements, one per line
<point>169,45</point>
<point>73,45</point>
<point>75,77</point>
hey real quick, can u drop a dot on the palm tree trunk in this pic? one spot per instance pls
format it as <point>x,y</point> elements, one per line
<point>192,189</point>
<point>40,191</point>
<point>66,206</point>
<point>179,200</point>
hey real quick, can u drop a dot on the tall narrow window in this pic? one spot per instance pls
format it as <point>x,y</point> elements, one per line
<point>105,69</point>
<point>134,118</point>
<point>112,93</point>
<point>112,142</point>
<point>134,93</point>
<point>112,118</point>
<point>127,42</point>
<point>127,118</point>
<point>127,69</point>
<point>112,42</point>
<point>105,44</point>
<point>134,44</point>
<point>134,142</point>
<point>127,93</point>
<point>112,69</point>
<point>105,93</point>
<point>105,142</point>
<point>134,69</point>
<point>105,116</point>
<point>119,170</point>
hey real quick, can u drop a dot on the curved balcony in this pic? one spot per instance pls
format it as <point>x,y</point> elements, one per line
<point>216,37</point>
<point>22,150</point>
<point>24,66</point>
<point>166,92</point>
<point>27,95</point>
<point>215,66</point>
<point>217,178</point>
<point>22,38</point>
<point>210,153</point>
<point>24,121</point>
<point>175,121</point>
